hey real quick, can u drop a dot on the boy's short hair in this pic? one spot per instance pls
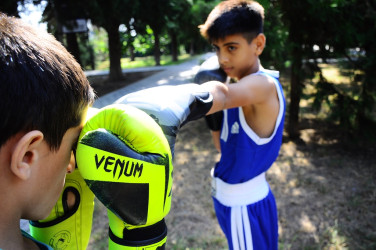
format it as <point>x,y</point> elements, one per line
<point>234,17</point>
<point>42,87</point>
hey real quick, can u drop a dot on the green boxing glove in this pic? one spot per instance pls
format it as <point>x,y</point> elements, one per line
<point>126,161</point>
<point>68,228</point>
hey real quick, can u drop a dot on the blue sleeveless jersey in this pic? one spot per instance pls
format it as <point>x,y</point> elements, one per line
<point>244,154</point>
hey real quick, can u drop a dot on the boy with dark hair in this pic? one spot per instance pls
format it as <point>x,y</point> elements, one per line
<point>248,136</point>
<point>44,101</point>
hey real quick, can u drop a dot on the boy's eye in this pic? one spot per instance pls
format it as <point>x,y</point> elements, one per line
<point>231,48</point>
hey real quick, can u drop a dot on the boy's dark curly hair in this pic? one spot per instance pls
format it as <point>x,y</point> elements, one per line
<point>42,86</point>
<point>234,17</point>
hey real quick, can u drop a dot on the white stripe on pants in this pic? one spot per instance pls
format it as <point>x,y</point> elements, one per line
<point>240,229</point>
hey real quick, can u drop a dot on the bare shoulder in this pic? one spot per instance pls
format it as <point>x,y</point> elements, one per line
<point>258,81</point>
<point>261,115</point>
<point>251,90</point>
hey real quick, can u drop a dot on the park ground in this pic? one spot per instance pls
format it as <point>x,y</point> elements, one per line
<point>325,188</point>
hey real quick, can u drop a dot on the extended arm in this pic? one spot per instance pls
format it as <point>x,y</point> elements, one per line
<point>250,90</point>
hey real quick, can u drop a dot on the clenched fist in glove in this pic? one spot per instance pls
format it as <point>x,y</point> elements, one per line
<point>125,159</point>
<point>211,71</point>
<point>171,106</point>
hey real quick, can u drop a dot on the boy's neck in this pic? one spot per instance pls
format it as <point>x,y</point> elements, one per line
<point>12,238</point>
<point>256,68</point>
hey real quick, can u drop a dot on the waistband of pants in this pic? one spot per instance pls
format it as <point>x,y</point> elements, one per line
<point>240,194</point>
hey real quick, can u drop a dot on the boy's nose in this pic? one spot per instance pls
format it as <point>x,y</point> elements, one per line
<point>222,58</point>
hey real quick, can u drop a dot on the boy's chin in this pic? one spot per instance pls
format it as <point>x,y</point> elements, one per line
<point>234,75</point>
<point>231,75</point>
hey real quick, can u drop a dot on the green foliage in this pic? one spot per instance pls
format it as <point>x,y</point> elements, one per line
<point>299,35</point>
<point>357,21</point>
<point>143,43</point>
<point>274,54</point>
<point>199,11</point>
<point>86,52</point>
<point>10,7</point>
<point>341,105</point>
<point>99,42</point>
<point>145,61</point>
<point>320,30</point>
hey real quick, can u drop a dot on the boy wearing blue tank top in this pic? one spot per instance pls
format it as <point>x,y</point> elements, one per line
<point>249,135</point>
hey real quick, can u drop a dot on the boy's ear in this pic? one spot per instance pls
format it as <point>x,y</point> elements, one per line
<point>25,154</point>
<point>260,41</point>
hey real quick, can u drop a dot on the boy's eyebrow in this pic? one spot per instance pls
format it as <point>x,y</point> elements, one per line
<point>231,43</point>
<point>226,44</point>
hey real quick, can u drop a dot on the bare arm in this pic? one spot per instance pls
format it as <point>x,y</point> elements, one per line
<point>250,90</point>
<point>216,140</point>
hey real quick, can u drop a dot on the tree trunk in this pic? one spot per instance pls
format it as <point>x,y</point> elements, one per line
<point>192,48</point>
<point>72,46</point>
<point>295,93</point>
<point>366,103</point>
<point>131,52</point>
<point>92,57</point>
<point>174,46</point>
<point>157,52</point>
<point>114,52</point>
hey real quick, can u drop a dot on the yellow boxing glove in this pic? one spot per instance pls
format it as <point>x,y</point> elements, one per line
<point>125,159</point>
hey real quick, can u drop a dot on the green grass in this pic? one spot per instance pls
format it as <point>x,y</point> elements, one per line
<point>144,62</point>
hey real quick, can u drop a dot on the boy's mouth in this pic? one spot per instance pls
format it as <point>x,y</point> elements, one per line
<point>227,69</point>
